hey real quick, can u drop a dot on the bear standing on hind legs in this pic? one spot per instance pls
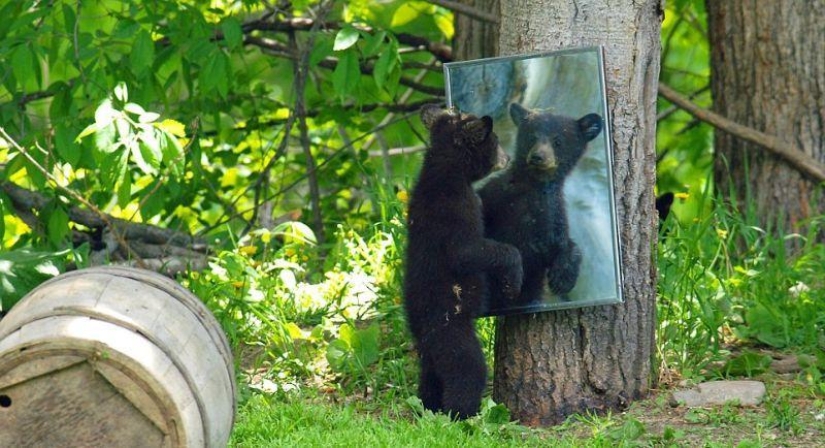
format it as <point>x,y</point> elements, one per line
<point>524,206</point>
<point>448,260</point>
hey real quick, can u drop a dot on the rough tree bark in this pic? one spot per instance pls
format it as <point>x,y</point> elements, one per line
<point>550,365</point>
<point>475,38</point>
<point>768,73</point>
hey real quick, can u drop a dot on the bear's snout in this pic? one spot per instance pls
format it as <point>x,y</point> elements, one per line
<point>543,157</point>
<point>502,159</point>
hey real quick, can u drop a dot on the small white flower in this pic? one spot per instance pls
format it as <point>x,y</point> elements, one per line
<point>798,289</point>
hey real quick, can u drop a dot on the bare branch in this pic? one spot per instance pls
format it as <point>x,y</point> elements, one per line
<point>793,155</point>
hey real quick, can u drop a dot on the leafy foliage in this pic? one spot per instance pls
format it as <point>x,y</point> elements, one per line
<point>684,146</point>
<point>22,271</point>
<point>722,279</point>
<point>270,129</point>
<point>230,71</point>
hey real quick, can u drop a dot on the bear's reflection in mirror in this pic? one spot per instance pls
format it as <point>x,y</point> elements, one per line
<point>555,201</point>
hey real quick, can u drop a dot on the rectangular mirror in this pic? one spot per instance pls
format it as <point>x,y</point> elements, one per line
<point>554,201</point>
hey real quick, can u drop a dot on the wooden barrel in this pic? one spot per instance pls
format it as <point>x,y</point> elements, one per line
<point>114,356</point>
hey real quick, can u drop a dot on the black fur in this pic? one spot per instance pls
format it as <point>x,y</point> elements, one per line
<point>448,261</point>
<point>524,206</point>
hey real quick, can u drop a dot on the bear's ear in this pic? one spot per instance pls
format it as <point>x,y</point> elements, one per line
<point>590,125</point>
<point>429,114</point>
<point>518,113</point>
<point>488,123</point>
<point>478,129</point>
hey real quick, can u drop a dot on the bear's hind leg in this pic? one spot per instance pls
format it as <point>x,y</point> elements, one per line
<point>532,290</point>
<point>462,370</point>
<point>430,389</point>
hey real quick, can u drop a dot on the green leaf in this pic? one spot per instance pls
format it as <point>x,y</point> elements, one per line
<point>22,270</point>
<point>112,167</point>
<point>22,64</point>
<point>214,74</point>
<point>295,232</point>
<point>134,108</point>
<point>122,92</point>
<point>143,54</point>
<point>232,32</point>
<point>337,354</point>
<point>346,38</point>
<point>124,190</point>
<point>747,364</point>
<point>364,345</point>
<point>124,131</point>
<point>386,63</point>
<point>347,74</point>
<point>632,429</point>
<point>172,152</point>
<point>61,101</point>
<point>105,139</point>
<point>354,349</point>
<point>409,11</point>
<point>37,178</point>
<point>69,19</point>
<point>321,50</point>
<point>497,414</point>
<point>105,114</point>
<point>2,220</point>
<point>65,145</point>
<point>87,131</point>
<point>374,43</point>
<point>57,226</point>
<point>445,24</point>
<point>148,117</point>
<point>149,155</point>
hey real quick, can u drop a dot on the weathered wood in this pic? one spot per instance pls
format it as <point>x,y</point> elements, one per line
<point>74,407</point>
<point>550,365</point>
<point>125,351</point>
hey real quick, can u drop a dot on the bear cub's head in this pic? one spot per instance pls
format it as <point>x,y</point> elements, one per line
<point>462,142</point>
<point>549,145</point>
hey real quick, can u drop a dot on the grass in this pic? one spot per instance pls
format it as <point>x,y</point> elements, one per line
<point>304,419</point>
<point>299,421</point>
<point>326,360</point>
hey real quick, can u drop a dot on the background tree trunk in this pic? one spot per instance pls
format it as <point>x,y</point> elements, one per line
<point>768,73</point>
<point>474,38</point>
<point>549,365</point>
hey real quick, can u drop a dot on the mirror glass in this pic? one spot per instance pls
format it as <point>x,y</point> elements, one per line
<point>554,201</point>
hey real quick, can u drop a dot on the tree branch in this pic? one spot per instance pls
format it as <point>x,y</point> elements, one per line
<point>25,199</point>
<point>300,73</point>
<point>442,52</point>
<point>793,155</point>
<point>467,10</point>
<point>281,50</point>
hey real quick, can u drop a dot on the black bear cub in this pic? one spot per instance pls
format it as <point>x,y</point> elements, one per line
<point>448,260</point>
<point>524,206</point>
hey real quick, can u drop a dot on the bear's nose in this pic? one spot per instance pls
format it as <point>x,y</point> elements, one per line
<point>537,158</point>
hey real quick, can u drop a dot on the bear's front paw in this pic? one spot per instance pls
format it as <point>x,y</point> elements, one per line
<point>562,276</point>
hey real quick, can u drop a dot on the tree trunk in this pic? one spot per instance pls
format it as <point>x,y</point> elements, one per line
<point>474,38</point>
<point>768,73</point>
<point>549,365</point>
